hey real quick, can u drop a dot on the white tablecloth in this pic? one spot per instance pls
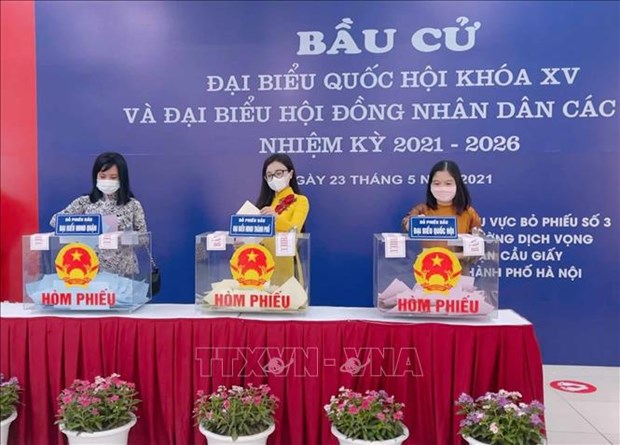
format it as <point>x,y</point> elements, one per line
<point>505,317</point>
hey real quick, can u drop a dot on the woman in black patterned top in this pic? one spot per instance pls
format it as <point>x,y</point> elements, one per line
<point>111,195</point>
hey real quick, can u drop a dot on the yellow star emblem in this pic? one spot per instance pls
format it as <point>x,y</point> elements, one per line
<point>437,260</point>
<point>252,256</point>
<point>76,255</point>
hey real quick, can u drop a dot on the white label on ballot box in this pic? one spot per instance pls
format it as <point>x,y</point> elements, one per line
<point>216,241</point>
<point>285,244</point>
<point>472,245</point>
<point>40,241</point>
<point>109,240</point>
<point>394,245</point>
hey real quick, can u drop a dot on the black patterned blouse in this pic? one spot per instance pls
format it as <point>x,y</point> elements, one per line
<point>130,217</point>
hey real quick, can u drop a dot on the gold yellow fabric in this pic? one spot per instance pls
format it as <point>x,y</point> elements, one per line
<point>292,218</point>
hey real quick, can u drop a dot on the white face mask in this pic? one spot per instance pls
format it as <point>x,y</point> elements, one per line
<point>279,184</point>
<point>108,186</point>
<point>444,193</point>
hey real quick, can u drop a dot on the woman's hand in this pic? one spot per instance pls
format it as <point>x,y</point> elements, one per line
<point>268,211</point>
<point>407,221</point>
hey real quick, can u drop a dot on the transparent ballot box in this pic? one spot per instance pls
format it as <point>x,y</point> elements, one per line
<point>435,278</point>
<point>110,272</point>
<point>270,274</point>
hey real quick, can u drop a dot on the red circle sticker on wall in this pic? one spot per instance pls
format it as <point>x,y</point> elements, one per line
<point>573,386</point>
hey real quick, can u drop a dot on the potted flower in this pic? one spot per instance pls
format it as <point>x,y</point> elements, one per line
<point>370,418</point>
<point>98,412</point>
<point>240,415</point>
<point>501,418</point>
<point>9,396</point>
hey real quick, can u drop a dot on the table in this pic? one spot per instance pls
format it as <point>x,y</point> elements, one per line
<point>171,351</point>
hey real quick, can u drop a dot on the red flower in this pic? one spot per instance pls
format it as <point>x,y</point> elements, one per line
<point>285,203</point>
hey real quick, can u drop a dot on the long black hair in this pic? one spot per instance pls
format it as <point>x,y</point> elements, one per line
<point>266,194</point>
<point>104,162</point>
<point>461,200</point>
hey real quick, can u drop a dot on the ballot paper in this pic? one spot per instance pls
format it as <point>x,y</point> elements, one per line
<point>248,209</point>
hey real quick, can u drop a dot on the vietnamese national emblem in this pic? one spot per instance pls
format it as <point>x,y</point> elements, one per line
<point>77,264</point>
<point>437,270</point>
<point>252,265</point>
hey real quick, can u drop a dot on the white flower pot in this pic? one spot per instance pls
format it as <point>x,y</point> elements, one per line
<point>472,441</point>
<point>343,440</point>
<point>4,428</point>
<point>254,439</point>
<point>116,436</point>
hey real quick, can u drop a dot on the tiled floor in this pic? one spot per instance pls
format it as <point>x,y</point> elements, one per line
<point>588,419</point>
